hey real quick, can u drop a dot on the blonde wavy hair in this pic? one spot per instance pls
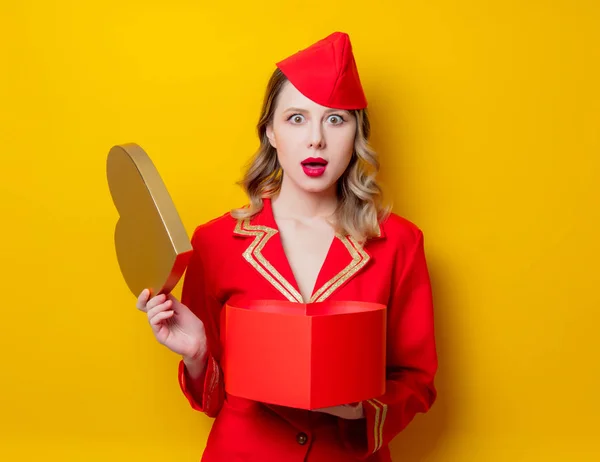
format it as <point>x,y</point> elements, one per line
<point>360,199</point>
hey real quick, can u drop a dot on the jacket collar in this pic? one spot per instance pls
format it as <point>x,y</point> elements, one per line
<point>345,258</point>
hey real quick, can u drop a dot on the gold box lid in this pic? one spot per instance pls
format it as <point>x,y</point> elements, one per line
<point>152,245</point>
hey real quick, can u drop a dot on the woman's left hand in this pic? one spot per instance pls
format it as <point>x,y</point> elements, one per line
<point>346,411</point>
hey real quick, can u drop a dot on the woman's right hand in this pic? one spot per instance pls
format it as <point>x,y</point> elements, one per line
<point>174,325</point>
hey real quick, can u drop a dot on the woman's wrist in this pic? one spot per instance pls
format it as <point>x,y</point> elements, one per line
<point>195,364</point>
<point>346,411</point>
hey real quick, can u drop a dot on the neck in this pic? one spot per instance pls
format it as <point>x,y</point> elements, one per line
<point>294,202</point>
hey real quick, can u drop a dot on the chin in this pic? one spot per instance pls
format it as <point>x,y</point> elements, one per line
<point>316,187</point>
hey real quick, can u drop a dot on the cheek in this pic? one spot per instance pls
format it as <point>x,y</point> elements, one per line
<point>344,143</point>
<point>288,142</point>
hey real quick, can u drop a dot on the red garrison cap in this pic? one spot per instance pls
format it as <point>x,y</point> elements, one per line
<point>326,73</point>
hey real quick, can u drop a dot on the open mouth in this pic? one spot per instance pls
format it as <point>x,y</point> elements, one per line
<point>314,166</point>
<point>314,162</point>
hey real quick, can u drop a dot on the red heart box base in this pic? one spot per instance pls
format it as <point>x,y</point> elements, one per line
<point>306,356</point>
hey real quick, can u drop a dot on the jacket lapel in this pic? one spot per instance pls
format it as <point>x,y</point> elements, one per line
<point>344,260</point>
<point>265,253</point>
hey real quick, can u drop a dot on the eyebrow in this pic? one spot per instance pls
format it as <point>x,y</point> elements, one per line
<point>297,109</point>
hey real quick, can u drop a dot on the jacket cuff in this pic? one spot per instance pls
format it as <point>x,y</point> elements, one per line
<point>364,436</point>
<point>203,387</point>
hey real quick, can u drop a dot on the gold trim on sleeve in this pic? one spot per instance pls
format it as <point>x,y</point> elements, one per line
<point>383,415</point>
<point>376,437</point>
<point>214,379</point>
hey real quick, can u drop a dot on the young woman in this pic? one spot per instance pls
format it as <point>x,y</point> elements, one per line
<point>315,229</point>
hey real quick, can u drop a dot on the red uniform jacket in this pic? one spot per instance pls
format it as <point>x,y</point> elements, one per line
<point>237,260</point>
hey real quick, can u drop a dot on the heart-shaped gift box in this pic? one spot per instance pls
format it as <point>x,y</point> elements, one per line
<point>305,356</point>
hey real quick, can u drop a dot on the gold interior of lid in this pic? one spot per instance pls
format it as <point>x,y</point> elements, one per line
<point>151,242</point>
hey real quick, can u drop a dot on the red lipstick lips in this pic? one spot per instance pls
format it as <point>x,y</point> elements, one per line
<point>314,166</point>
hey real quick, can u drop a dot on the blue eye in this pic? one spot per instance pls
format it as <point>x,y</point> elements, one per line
<point>335,119</point>
<point>296,118</point>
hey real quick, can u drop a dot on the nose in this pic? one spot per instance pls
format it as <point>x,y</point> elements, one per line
<point>317,139</point>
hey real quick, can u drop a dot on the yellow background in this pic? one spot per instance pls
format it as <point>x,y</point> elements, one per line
<point>486,118</point>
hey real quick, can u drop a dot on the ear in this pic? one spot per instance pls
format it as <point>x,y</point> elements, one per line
<point>271,135</point>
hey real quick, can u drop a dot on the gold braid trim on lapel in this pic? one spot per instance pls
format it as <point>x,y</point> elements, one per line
<point>253,255</point>
<point>359,259</point>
